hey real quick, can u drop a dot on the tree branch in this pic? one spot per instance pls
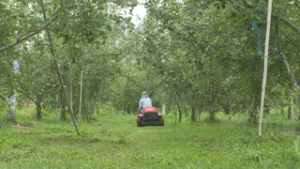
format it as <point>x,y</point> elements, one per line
<point>40,69</point>
<point>19,40</point>
<point>284,20</point>
<point>44,67</point>
<point>27,96</point>
<point>206,97</point>
<point>289,70</point>
<point>224,91</point>
<point>169,61</point>
<point>3,97</point>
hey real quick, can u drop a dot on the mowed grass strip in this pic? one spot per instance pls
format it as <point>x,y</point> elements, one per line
<point>117,143</point>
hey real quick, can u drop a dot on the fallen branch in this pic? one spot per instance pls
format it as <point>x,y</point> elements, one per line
<point>19,40</point>
<point>271,132</point>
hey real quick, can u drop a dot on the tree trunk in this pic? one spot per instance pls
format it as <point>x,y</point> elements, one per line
<point>38,111</point>
<point>63,108</point>
<point>56,106</point>
<point>282,110</point>
<point>80,97</point>
<point>200,114</point>
<point>85,111</point>
<point>296,104</point>
<point>180,114</point>
<point>99,112</point>
<point>289,113</point>
<point>227,107</point>
<point>252,111</point>
<point>176,115</point>
<point>212,111</point>
<point>240,113</point>
<point>71,91</point>
<point>212,104</point>
<point>110,109</point>
<point>128,110</point>
<point>179,111</point>
<point>38,103</point>
<point>193,115</point>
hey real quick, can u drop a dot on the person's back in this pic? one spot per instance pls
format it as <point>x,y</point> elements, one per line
<point>145,101</point>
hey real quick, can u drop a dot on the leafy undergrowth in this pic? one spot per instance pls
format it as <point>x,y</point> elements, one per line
<point>117,143</point>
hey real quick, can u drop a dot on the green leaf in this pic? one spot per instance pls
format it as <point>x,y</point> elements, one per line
<point>108,28</point>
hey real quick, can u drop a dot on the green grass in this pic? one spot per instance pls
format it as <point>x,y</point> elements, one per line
<point>117,143</point>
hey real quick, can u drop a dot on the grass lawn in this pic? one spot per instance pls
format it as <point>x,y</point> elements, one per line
<point>117,143</point>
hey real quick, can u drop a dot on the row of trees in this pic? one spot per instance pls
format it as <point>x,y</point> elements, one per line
<point>203,55</point>
<point>207,53</point>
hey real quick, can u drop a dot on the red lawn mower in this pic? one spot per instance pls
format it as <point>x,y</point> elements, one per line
<point>150,117</point>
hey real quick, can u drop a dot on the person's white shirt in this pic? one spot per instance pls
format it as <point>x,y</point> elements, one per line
<point>144,102</point>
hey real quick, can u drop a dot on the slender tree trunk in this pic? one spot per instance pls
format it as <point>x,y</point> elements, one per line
<point>212,104</point>
<point>85,111</point>
<point>296,104</point>
<point>252,112</point>
<point>39,110</point>
<point>56,106</point>
<point>193,115</point>
<point>110,109</point>
<point>176,115</point>
<point>39,98</point>
<point>240,112</point>
<point>200,114</point>
<point>180,114</point>
<point>90,117</point>
<point>289,113</point>
<point>212,111</point>
<point>128,110</point>
<point>100,112</point>
<point>71,90</point>
<point>80,99</point>
<point>179,111</point>
<point>63,109</point>
<point>282,110</point>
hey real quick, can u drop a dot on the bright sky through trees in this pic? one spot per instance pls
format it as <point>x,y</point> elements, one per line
<point>139,12</point>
